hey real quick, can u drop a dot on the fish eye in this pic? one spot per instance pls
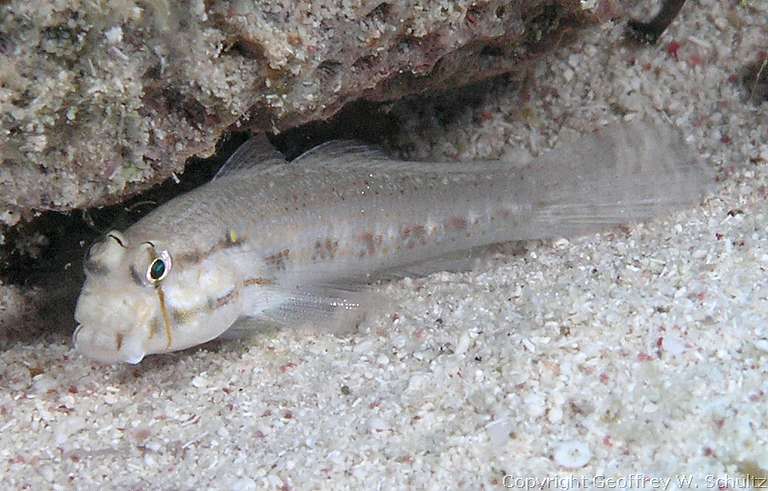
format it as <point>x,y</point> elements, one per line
<point>159,268</point>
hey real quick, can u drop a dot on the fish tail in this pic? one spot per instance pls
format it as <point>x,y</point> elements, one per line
<point>624,173</point>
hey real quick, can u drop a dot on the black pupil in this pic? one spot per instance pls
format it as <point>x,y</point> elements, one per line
<point>157,269</point>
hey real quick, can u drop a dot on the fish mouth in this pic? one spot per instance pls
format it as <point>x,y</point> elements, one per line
<point>105,347</point>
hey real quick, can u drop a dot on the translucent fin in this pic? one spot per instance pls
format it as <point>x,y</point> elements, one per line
<point>254,153</point>
<point>312,305</point>
<point>340,151</point>
<point>453,262</point>
<point>622,174</point>
<point>339,314</point>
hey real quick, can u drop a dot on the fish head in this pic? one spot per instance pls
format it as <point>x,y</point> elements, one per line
<point>120,309</point>
<point>135,302</point>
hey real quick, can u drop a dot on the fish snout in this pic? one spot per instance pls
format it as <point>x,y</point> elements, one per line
<point>107,346</point>
<point>112,325</point>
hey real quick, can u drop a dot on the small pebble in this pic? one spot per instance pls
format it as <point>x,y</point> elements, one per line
<point>555,415</point>
<point>498,432</point>
<point>66,428</point>
<point>673,345</point>
<point>561,243</point>
<point>200,381</point>
<point>244,484</point>
<point>534,404</point>
<point>365,346</point>
<point>572,454</point>
<point>463,344</point>
<point>114,35</point>
<point>376,424</point>
<point>762,345</point>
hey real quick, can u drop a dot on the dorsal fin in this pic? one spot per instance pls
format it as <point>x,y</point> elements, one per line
<point>340,151</point>
<point>256,152</point>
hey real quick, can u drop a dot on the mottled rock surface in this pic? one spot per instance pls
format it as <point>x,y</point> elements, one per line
<point>101,100</point>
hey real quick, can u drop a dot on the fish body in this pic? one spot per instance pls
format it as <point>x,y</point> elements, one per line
<point>287,241</point>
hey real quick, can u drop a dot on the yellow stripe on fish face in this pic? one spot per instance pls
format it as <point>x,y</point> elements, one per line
<point>168,326</point>
<point>166,316</point>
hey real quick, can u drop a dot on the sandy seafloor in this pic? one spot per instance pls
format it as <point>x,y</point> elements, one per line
<point>638,353</point>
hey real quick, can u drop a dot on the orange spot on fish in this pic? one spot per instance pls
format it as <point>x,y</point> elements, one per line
<point>372,243</point>
<point>456,223</point>
<point>278,259</point>
<point>326,249</point>
<point>413,235</point>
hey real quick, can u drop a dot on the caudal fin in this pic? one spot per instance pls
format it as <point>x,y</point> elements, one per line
<point>624,173</point>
